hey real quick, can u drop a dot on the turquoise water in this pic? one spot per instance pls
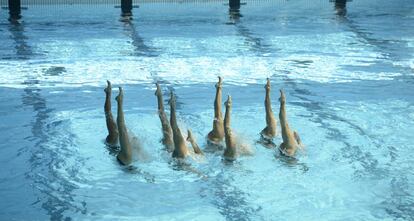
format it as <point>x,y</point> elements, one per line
<point>348,79</point>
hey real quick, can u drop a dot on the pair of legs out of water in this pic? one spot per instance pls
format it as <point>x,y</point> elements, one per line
<point>291,141</point>
<point>174,141</point>
<point>118,133</point>
<point>222,129</point>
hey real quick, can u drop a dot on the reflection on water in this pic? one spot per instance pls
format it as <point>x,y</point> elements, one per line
<point>46,163</point>
<point>140,48</point>
<point>22,48</point>
<point>43,160</point>
<point>390,50</point>
<point>340,7</point>
<point>251,42</point>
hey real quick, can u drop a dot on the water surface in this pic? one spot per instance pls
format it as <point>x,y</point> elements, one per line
<point>348,77</point>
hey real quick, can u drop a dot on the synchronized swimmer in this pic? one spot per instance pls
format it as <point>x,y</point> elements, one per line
<point>216,135</point>
<point>167,139</point>
<point>270,131</point>
<point>220,137</point>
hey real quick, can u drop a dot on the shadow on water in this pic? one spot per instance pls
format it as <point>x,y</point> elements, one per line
<point>230,201</point>
<point>149,178</point>
<point>140,48</point>
<point>182,165</point>
<point>291,162</point>
<point>255,44</point>
<point>113,150</point>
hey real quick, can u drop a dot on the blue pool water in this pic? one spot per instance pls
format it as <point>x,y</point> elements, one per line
<point>348,79</point>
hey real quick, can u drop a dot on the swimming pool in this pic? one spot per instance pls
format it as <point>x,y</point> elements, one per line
<point>348,81</point>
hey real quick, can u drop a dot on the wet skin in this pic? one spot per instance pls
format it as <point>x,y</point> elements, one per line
<point>270,131</point>
<point>125,155</point>
<point>180,147</point>
<point>230,151</point>
<point>291,140</point>
<point>190,138</point>
<point>217,134</point>
<point>112,138</point>
<point>167,139</point>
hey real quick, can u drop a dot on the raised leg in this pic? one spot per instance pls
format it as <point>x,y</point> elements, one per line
<point>230,151</point>
<point>167,139</point>
<point>191,139</point>
<point>289,145</point>
<point>180,148</point>
<point>112,138</point>
<point>297,138</point>
<point>125,155</point>
<point>270,131</point>
<point>217,134</point>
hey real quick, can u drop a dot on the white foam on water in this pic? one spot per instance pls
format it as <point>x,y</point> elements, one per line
<point>90,63</point>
